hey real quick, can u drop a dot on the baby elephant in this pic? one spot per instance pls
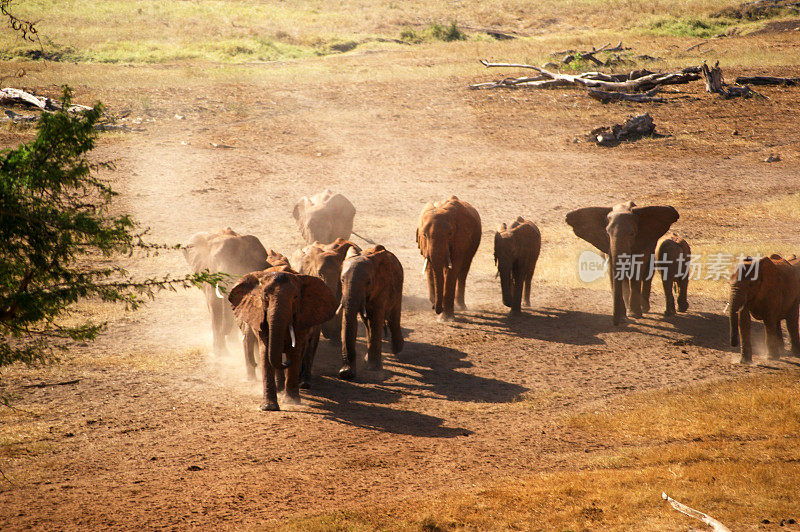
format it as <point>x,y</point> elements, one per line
<point>516,250</point>
<point>372,286</point>
<point>672,262</point>
<point>769,290</point>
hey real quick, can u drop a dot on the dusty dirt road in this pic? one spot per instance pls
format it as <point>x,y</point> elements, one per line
<point>155,433</point>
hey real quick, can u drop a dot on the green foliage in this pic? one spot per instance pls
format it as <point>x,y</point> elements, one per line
<point>434,32</point>
<point>687,27</point>
<point>447,33</point>
<point>55,227</point>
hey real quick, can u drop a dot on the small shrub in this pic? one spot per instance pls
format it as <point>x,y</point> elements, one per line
<point>447,33</point>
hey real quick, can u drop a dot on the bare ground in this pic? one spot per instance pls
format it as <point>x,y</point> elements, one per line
<point>155,433</point>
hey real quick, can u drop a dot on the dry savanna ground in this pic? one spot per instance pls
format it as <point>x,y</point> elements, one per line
<point>554,419</point>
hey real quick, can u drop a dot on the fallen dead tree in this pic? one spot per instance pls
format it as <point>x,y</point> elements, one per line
<point>715,83</point>
<point>608,97</point>
<point>767,80</point>
<point>634,128</point>
<point>9,95</point>
<point>592,80</point>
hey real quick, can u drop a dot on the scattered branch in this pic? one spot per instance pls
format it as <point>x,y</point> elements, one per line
<point>715,525</point>
<point>606,97</point>
<point>634,128</point>
<point>767,80</point>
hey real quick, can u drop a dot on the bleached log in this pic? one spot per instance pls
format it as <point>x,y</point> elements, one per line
<point>715,525</point>
<point>643,83</point>
<point>11,95</point>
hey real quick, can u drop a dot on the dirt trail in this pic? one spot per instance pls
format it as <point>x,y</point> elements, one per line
<point>464,404</point>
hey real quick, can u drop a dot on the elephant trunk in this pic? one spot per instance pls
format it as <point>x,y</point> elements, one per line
<point>506,285</point>
<point>736,303</point>
<point>618,277</point>
<point>278,328</point>
<point>349,333</point>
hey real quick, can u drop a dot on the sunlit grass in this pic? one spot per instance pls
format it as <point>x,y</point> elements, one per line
<point>729,449</point>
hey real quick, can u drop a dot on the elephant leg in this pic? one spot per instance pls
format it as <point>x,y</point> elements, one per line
<point>461,285</point>
<point>292,390</point>
<point>744,333</point>
<point>218,327</point>
<point>280,379</point>
<point>792,324</point>
<point>396,330</point>
<point>683,294</point>
<point>527,296</point>
<point>268,378</point>
<point>626,292</point>
<point>636,298</point>
<point>774,338</point>
<point>307,361</point>
<point>516,297</point>
<point>646,286</point>
<point>431,285</point>
<point>670,299</point>
<point>375,339</point>
<point>249,344</point>
<point>449,294</point>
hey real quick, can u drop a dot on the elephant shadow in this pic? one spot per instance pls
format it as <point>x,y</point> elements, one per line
<point>566,326</point>
<point>704,329</point>
<point>365,406</point>
<point>429,372</point>
<point>432,370</point>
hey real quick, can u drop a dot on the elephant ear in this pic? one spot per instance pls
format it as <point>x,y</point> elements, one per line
<point>317,303</point>
<point>654,222</point>
<point>196,252</point>
<point>590,224</point>
<point>247,298</point>
<point>299,207</point>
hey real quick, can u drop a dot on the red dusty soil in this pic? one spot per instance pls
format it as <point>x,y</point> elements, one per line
<point>157,434</point>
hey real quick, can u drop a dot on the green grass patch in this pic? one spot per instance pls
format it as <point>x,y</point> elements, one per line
<point>434,32</point>
<point>688,27</point>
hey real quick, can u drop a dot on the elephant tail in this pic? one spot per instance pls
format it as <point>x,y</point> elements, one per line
<point>365,239</point>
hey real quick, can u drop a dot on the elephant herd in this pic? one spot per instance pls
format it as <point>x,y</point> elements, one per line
<point>281,312</point>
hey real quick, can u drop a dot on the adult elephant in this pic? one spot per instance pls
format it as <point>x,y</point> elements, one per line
<point>281,309</point>
<point>448,235</point>
<point>372,286</point>
<point>229,252</point>
<point>672,255</point>
<point>324,217</point>
<point>628,235</point>
<point>325,262</point>
<point>516,251</point>
<point>769,290</point>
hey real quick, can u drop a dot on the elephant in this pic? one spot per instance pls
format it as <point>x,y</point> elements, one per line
<point>672,257</point>
<point>769,290</point>
<point>324,217</point>
<point>625,232</point>
<point>372,286</point>
<point>448,235</point>
<point>323,261</point>
<point>280,309</point>
<point>516,250</point>
<point>229,252</point>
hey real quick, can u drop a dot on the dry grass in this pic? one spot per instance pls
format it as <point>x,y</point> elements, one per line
<point>153,31</point>
<point>730,449</point>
